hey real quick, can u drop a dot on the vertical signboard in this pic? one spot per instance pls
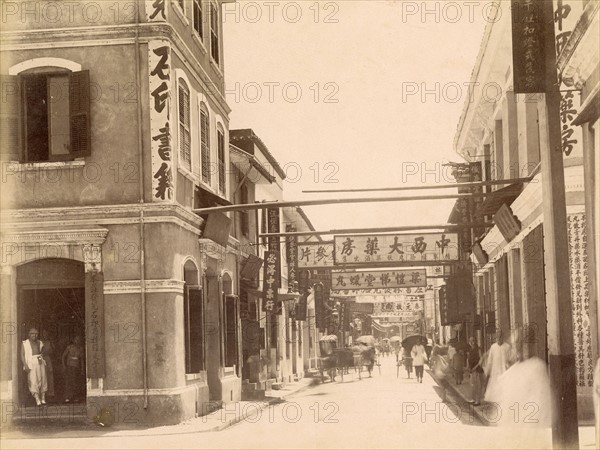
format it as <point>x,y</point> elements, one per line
<point>94,320</point>
<point>529,55</point>
<point>159,67</point>
<point>319,293</point>
<point>566,15</point>
<point>270,283</point>
<point>291,254</point>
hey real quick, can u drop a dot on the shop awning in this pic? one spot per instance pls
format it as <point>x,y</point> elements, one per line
<point>495,200</point>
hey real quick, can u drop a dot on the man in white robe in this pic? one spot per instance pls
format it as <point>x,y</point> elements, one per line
<point>35,366</point>
<point>497,362</point>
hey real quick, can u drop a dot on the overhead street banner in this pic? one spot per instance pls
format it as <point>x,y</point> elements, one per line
<point>381,291</point>
<point>408,248</point>
<point>315,255</point>
<point>397,308</point>
<point>379,279</point>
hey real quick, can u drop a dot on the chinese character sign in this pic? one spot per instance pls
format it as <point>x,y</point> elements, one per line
<point>429,247</point>
<point>566,14</point>
<point>378,279</point>
<point>315,254</point>
<point>94,319</point>
<point>156,10</point>
<point>159,55</point>
<point>291,250</point>
<point>529,29</point>
<point>273,241</point>
<point>360,293</point>
<point>270,281</point>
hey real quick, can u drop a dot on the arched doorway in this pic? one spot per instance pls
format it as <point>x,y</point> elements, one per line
<point>51,298</point>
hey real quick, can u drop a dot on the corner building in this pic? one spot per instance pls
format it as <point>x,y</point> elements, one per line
<point>114,127</point>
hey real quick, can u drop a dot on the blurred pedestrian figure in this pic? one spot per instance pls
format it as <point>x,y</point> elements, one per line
<point>474,361</point>
<point>408,362</point>
<point>496,364</point>
<point>48,354</point>
<point>35,366</point>
<point>419,357</point>
<point>458,364</point>
<point>72,360</point>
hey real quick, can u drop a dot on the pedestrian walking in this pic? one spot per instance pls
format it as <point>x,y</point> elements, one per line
<point>497,362</point>
<point>408,362</point>
<point>419,357</point>
<point>474,360</point>
<point>35,367</point>
<point>458,364</point>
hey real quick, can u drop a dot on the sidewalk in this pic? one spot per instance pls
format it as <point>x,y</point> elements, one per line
<point>229,414</point>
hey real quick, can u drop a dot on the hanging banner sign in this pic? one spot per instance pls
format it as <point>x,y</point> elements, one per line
<point>315,255</point>
<point>270,283</point>
<point>94,320</point>
<point>411,248</point>
<point>531,24</point>
<point>394,319</point>
<point>291,254</point>
<point>402,278</point>
<point>381,292</point>
<point>396,308</point>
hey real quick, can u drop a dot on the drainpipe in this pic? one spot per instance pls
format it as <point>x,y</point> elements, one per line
<point>141,193</point>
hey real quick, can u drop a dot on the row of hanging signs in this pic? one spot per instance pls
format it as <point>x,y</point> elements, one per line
<point>364,250</point>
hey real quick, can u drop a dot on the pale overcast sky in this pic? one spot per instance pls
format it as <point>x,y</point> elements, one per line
<point>323,82</point>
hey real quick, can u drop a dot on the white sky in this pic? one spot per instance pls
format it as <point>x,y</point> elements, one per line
<point>369,51</point>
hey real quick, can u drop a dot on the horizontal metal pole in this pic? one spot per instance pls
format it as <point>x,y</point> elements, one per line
<point>335,201</point>
<point>383,230</point>
<point>419,188</point>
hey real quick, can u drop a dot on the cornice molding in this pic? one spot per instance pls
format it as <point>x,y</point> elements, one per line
<point>150,286</point>
<point>91,236</point>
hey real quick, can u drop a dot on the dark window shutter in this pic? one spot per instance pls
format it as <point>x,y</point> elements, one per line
<point>10,118</point>
<point>79,111</point>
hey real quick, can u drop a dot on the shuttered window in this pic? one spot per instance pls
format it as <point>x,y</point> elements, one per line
<point>45,116</point>
<point>205,145</point>
<point>221,156</point>
<point>185,153</point>
<point>214,33</point>
<point>197,12</point>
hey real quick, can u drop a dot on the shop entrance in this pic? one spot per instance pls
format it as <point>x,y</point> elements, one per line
<point>51,298</point>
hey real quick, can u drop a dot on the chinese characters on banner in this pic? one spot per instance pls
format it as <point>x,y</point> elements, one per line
<point>270,283</point>
<point>315,254</point>
<point>566,14</point>
<point>94,319</point>
<point>291,254</point>
<point>402,278</point>
<point>400,308</point>
<point>430,247</point>
<point>156,10</point>
<point>381,291</point>
<point>274,247</point>
<point>159,56</point>
<point>529,28</point>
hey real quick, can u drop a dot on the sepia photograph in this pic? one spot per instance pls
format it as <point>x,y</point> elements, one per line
<point>309,224</point>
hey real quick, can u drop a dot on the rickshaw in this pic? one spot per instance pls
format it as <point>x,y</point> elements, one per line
<point>328,360</point>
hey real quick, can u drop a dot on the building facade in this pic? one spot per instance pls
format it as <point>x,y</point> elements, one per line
<point>114,127</point>
<point>502,131</point>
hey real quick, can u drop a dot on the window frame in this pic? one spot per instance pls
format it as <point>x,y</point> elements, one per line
<point>187,127</point>
<point>194,351</point>
<point>205,150</point>
<point>198,19</point>
<point>231,331</point>
<point>215,29</point>
<point>14,115</point>
<point>221,162</point>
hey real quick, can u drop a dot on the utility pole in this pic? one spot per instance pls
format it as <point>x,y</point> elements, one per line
<point>561,353</point>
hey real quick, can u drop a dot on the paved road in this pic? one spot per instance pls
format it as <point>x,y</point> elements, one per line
<point>378,412</point>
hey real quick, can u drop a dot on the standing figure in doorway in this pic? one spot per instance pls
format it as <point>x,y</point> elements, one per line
<point>35,366</point>
<point>72,360</point>
<point>48,354</point>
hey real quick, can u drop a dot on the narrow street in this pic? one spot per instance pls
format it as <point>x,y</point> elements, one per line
<point>378,412</point>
